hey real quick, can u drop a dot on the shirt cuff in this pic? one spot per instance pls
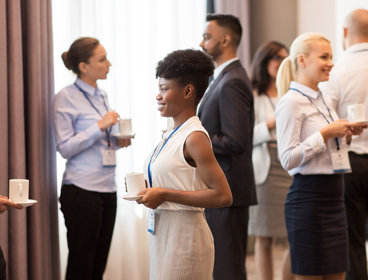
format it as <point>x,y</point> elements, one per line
<point>261,133</point>
<point>317,143</point>
<point>94,131</point>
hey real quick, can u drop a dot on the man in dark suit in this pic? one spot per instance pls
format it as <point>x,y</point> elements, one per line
<point>227,113</point>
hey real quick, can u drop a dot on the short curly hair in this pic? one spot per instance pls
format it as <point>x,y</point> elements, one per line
<point>187,67</point>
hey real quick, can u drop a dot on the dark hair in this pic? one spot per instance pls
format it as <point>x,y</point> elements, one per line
<point>80,51</point>
<point>187,67</point>
<point>260,78</point>
<point>231,23</point>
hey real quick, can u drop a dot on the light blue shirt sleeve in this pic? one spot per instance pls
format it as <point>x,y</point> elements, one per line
<point>69,140</point>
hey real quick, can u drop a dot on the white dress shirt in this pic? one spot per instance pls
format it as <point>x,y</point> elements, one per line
<point>219,69</point>
<point>348,84</point>
<point>298,123</point>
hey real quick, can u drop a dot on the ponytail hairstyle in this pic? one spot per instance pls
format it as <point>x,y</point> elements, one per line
<point>81,50</point>
<point>289,66</point>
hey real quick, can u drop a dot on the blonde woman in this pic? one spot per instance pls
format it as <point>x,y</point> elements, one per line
<point>312,144</point>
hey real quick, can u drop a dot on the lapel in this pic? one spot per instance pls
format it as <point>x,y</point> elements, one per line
<point>214,84</point>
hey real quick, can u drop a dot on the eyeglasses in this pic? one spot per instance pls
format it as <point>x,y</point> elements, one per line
<point>278,57</point>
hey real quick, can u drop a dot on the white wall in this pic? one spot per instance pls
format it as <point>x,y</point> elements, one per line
<point>317,16</point>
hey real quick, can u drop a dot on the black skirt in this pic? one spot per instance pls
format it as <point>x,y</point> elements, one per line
<point>316,224</point>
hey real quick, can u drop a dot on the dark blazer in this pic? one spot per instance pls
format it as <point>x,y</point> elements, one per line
<point>227,113</point>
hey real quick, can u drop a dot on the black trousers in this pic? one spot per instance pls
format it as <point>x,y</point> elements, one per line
<point>229,227</point>
<point>356,200</point>
<point>89,219</point>
<point>2,265</point>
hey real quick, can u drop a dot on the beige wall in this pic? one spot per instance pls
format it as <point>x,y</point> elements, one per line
<point>283,20</point>
<point>272,20</point>
<point>318,16</point>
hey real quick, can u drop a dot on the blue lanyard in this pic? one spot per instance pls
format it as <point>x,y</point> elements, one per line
<point>163,145</point>
<point>108,131</point>
<point>315,106</point>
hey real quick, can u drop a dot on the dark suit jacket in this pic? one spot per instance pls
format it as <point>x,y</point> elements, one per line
<point>227,113</point>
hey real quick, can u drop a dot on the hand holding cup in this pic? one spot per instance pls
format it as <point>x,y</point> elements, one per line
<point>134,184</point>
<point>109,119</point>
<point>5,204</point>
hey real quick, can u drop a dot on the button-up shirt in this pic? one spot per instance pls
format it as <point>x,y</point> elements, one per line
<point>79,138</point>
<point>298,123</point>
<point>348,85</point>
<point>220,68</point>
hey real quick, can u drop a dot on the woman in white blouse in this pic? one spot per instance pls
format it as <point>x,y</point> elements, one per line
<point>312,147</point>
<point>266,219</point>
<point>183,174</point>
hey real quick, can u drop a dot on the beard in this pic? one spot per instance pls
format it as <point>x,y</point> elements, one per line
<point>215,52</point>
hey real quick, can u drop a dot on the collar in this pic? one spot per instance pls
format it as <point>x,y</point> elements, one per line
<point>220,68</point>
<point>86,87</point>
<point>304,89</point>
<point>357,47</point>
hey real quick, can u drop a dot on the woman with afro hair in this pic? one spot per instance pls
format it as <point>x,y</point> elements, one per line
<point>183,174</point>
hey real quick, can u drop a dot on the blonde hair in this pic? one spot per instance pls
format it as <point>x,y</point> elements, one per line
<point>288,68</point>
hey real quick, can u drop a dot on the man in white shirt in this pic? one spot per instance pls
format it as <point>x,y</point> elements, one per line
<point>348,85</point>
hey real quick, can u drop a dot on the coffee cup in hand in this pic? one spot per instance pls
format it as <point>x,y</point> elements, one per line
<point>18,190</point>
<point>135,183</point>
<point>125,127</point>
<point>356,113</point>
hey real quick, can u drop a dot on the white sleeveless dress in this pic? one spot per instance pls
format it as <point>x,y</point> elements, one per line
<point>182,246</point>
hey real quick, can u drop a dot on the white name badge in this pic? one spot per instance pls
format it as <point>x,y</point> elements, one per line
<point>340,158</point>
<point>151,222</point>
<point>108,157</point>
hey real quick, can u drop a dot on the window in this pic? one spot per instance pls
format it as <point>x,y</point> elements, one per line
<point>136,35</point>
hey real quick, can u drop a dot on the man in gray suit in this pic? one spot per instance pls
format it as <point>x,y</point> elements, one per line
<point>227,113</point>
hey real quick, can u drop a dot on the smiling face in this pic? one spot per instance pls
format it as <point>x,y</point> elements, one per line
<point>170,99</point>
<point>317,64</point>
<point>97,67</point>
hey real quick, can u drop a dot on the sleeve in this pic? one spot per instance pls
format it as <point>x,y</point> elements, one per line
<point>292,152</point>
<point>261,133</point>
<point>235,105</point>
<point>68,142</point>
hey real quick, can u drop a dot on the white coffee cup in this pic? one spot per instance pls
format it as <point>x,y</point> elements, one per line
<point>135,183</point>
<point>125,126</point>
<point>18,190</point>
<point>356,113</point>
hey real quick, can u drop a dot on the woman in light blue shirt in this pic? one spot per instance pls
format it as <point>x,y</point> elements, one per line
<point>312,144</point>
<point>83,121</point>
